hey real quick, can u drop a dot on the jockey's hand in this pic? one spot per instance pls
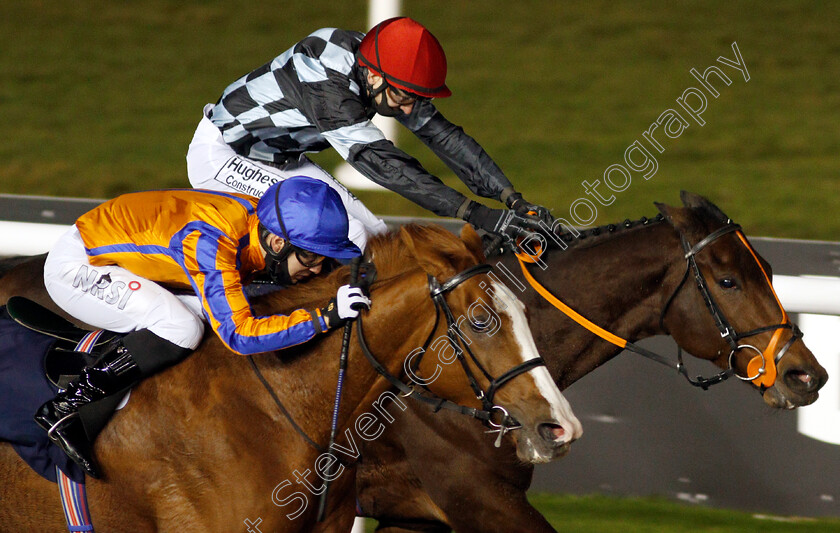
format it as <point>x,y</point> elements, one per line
<point>348,301</point>
<point>526,209</point>
<point>505,222</point>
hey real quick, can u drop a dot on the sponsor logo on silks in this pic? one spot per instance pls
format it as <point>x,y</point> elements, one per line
<point>102,287</point>
<point>247,171</point>
<point>245,177</point>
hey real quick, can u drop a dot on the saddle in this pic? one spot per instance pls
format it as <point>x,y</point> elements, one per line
<point>63,362</point>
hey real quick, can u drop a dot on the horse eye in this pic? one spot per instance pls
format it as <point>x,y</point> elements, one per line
<point>480,323</point>
<point>728,283</point>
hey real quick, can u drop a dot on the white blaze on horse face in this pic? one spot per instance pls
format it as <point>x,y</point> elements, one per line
<point>561,411</point>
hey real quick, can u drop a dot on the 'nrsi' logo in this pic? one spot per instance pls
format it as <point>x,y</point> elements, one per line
<point>111,292</point>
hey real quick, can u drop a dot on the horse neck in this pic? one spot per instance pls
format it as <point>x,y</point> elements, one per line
<point>620,281</point>
<point>402,307</point>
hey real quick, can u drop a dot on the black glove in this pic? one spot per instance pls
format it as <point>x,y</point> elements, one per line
<point>501,221</point>
<point>348,301</point>
<point>526,209</point>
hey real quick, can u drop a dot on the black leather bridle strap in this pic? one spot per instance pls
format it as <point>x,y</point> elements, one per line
<point>522,368</point>
<point>408,391</point>
<point>461,277</point>
<point>730,227</point>
<point>795,336</point>
<point>726,330</point>
<point>437,292</point>
<point>691,266</point>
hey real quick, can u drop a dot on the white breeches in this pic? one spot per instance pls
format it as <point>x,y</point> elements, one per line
<point>112,298</point>
<point>212,164</point>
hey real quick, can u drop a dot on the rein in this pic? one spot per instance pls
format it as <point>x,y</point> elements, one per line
<point>761,368</point>
<point>317,447</point>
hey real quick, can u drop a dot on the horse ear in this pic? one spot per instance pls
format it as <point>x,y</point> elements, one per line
<point>680,217</point>
<point>473,242</point>
<point>695,201</point>
<point>433,247</point>
<point>664,209</point>
<point>690,199</point>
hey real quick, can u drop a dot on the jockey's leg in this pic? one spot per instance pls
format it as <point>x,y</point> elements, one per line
<point>161,329</point>
<point>212,164</point>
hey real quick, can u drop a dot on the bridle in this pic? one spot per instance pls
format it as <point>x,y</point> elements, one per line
<point>486,414</point>
<point>761,370</point>
<point>494,416</point>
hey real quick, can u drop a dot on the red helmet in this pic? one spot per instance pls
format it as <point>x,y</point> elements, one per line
<point>407,55</point>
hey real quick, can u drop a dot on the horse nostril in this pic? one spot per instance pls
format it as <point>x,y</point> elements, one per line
<point>800,379</point>
<point>552,432</point>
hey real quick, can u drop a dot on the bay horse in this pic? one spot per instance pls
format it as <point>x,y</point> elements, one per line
<point>204,446</point>
<point>635,281</point>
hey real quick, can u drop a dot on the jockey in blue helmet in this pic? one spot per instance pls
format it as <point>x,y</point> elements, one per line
<point>311,226</point>
<point>117,265</point>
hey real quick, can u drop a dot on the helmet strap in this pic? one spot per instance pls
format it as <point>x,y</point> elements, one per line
<point>377,91</point>
<point>276,263</point>
<point>382,106</point>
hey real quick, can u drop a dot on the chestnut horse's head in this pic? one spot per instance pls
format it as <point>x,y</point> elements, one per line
<point>479,351</point>
<point>747,327</point>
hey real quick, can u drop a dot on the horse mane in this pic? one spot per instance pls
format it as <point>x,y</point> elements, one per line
<point>390,255</point>
<point>389,252</point>
<point>393,252</point>
<point>702,211</point>
<point>397,252</point>
<point>589,237</point>
<point>314,293</point>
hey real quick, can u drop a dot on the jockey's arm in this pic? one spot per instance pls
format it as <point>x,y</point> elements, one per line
<point>461,153</point>
<point>211,266</point>
<point>390,167</point>
<point>365,147</point>
<point>356,139</point>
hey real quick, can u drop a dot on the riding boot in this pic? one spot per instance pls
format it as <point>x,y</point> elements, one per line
<point>114,371</point>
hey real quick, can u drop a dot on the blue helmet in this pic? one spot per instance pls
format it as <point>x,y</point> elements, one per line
<point>309,215</point>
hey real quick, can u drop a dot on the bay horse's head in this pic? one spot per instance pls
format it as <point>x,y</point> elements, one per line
<point>475,348</point>
<point>748,329</point>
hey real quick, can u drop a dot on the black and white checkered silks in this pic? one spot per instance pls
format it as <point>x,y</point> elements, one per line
<point>312,97</point>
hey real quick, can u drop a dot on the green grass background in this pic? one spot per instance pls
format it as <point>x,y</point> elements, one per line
<point>605,514</point>
<point>98,98</point>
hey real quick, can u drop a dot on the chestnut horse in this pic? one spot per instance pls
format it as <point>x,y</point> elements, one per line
<point>631,279</point>
<point>204,446</point>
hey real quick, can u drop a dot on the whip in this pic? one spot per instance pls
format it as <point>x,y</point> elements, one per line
<point>342,368</point>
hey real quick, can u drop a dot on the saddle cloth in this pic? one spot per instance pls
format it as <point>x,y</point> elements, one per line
<point>35,360</point>
<point>23,389</point>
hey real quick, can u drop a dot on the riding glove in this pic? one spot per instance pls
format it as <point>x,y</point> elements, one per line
<point>503,222</point>
<point>348,301</point>
<point>526,209</point>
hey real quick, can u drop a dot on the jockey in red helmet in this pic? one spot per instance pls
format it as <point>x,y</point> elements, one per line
<point>410,62</point>
<point>322,92</point>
